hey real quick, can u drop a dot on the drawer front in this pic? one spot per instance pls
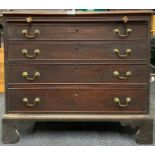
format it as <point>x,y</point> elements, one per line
<point>78,73</point>
<point>78,31</point>
<point>78,100</point>
<point>78,50</point>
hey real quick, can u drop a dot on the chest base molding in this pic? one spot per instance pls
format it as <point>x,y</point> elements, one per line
<point>13,123</point>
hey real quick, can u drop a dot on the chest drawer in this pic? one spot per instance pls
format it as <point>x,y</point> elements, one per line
<point>77,100</point>
<point>78,50</point>
<point>78,31</point>
<point>77,73</point>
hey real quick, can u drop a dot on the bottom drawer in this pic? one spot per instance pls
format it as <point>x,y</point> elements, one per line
<point>77,100</point>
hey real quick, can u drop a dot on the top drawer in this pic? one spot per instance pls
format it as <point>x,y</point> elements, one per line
<point>78,31</point>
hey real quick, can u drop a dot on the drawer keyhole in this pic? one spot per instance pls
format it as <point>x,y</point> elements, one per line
<point>76,69</point>
<point>76,94</point>
<point>77,30</point>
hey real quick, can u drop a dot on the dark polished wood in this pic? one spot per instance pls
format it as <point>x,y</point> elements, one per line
<point>11,130</point>
<point>68,64</point>
<point>10,133</point>
<point>78,100</point>
<point>141,123</point>
<point>78,73</point>
<point>144,130</point>
<point>77,50</point>
<point>78,31</point>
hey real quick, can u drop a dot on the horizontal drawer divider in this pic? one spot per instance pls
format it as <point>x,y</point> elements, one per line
<point>134,39</point>
<point>64,86</point>
<point>79,112</point>
<point>70,62</point>
<point>80,42</point>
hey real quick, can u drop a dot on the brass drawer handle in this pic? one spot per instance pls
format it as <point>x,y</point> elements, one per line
<point>127,32</point>
<point>29,34</point>
<point>35,53</point>
<point>127,53</point>
<point>118,102</point>
<point>117,75</point>
<point>26,76</point>
<point>36,101</point>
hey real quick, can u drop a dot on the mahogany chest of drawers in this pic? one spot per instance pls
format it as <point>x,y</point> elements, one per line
<point>77,67</point>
